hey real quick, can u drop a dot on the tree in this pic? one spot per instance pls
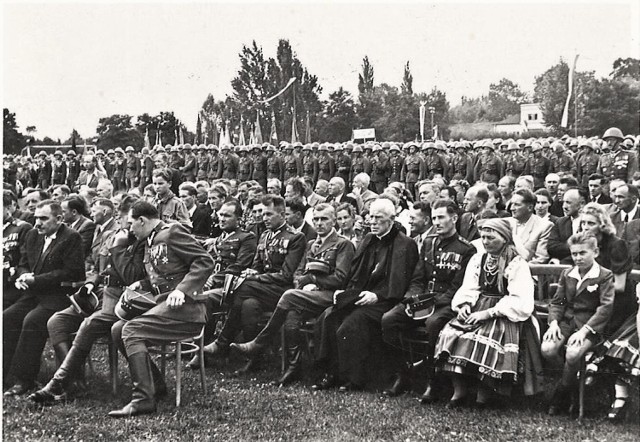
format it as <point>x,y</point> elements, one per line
<point>606,103</point>
<point>12,140</point>
<point>504,99</point>
<point>626,68</point>
<point>551,91</point>
<point>407,81</point>
<point>117,131</point>
<point>365,79</point>
<point>338,117</point>
<point>74,137</point>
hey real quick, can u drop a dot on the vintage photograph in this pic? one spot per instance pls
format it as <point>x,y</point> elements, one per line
<point>321,220</point>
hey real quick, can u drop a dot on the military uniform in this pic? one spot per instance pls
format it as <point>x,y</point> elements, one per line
<point>59,174</point>
<point>119,169</point>
<point>176,161</point>
<point>625,164</point>
<point>44,174</point>
<point>435,164</point>
<point>230,165</point>
<point>310,168</point>
<point>13,233</point>
<point>232,252</point>
<point>586,165</point>
<point>462,167</point>
<point>245,168</point>
<point>73,171</point>
<point>379,172</point>
<point>538,167</point>
<point>489,168</point>
<point>215,167</point>
<point>277,257</point>
<point>343,168</point>
<point>413,170</point>
<point>292,167</point>
<point>260,169</point>
<point>326,167</point>
<point>563,163</point>
<point>359,164</point>
<point>275,168</point>
<point>395,173</point>
<point>202,168</point>
<point>514,164</point>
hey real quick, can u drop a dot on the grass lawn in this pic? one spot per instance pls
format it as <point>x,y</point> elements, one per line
<point>250,409</point>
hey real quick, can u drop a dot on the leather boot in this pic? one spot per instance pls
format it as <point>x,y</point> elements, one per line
<point>560,400</point>
<point>430,394</point>
<point>56,389</point>
<point>257,345</point>
<point>158,382</point>
<point>61,350</point>
<point>400,384</point>
<point>294,361</point>
<point>216,349</point>
<point>252,365</point>
<point>143,395</point>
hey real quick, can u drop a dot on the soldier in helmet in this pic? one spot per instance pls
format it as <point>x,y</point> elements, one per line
<point>489,168</point>
<point>538,166</point>
<point>461,164</point>
<point>59,169</point>
<point>245,164</point>
<point>413,169</point>
<point>132,173</point>
<point>73,168</point>
<point>215,163</point>
<point>230,163</point>
<point>259,172</point>
<point>623,163</point>
<point>343,163</point>
<point>396,162</point>
<point>379,169</point>
<point>514,162</point>
<point>292,164</point>
<point>120,166</point>
<point>202,163</point>
<point>44,171</point>
<point>188,171</point>
<point>326,164</point>
<point>275,168</point>
<point>561,161</point>
<point>176,160</point>
<point>434,161</point>
<point>309,164</point>
<point>359,163</point>
<point>587,163</point>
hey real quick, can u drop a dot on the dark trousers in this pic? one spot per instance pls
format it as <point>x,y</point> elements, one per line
<point>345,337</point>
<point>302,305</point>
<point>25,334</point>
<point>10,294</point>
<point>250,302</point>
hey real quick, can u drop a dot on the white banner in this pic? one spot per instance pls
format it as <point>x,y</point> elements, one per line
<point>565,113</point>
<point>291,81</point>
<point>364,134</point>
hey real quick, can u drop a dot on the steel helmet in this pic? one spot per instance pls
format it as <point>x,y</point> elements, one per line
<point>613,132</point>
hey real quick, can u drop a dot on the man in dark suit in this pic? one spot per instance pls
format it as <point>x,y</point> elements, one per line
<point>200,214</point>
<point>337,193</point>
<point>74,209</point>
<point>475,201</point>
<point>295,211</point>
<point>626,200</point>
<point>52,255</point>
<point>596,193</point>
<point>573,202</point>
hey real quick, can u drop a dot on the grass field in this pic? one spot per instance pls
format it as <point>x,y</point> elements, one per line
<point>250,409</point>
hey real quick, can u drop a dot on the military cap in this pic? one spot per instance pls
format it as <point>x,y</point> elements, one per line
<point>271,148</point>
<point>368,146</point>
<point>512,146</point>
<point>168,147</point>
<point>145,151</point>
<point>349,146</point>
<point>441,146</point>
<point>174,149</point>
<point>489,144</point>
<point>256,147</point>
<point>288,146</point>
<point>394,148</point>
<point>497,141</point>
<point>545,144</point>
<point>521,142</point>
<point>129,149</point>
<point>161,149</point>
<point>307,147</point>
<point>613,132</point>
<point>315,145</point>
<point>323,148</point>
<point>338,147</point>
<point>283,143</point>
<point>71,152</point>
<point>386,145</point>
<point>297,144</point>
<point>225,147</point>
<point>586,143</point>
<point>243,149</point>
<point>573,143</point>
<point>410,144</point>
<point>202,147</point>
<point>628,143</point>
<point>558,144</point>
<point>377,148</point>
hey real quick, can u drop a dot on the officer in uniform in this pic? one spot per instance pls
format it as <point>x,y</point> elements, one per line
<point>379,169</point>
<point>435,163</point>
<point>259,173</point>
<point>245,164</point>
<point>176,161</point>
<point>280,250</point>
<point>489,167</point>
<point>230,163</point>
<point>202,163</point>
<point>413,168</point>
<point>439,272</point>
<point>326,164</point>
<point>310,166</point>
<point>323,270</point>
<point>396,163</point>
<point>215,164</point>
<point>359,163</point>
<point>188,171</point>
<point>121,265</point>
<point>623,163</point>
<point>461,163</point>
<point>59,169</point>
<point>292,164</point>
<point>343,164</point>
<point>177,268</point>
<point>73,168</point>
<point>13,234</point>
<point>514,162</point>
<point>538,166</point>
<point>587,163</point>
<point>275,168</point>
<point>146,169</point>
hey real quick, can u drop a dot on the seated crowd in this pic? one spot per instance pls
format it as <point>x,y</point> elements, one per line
<point>365,264</point>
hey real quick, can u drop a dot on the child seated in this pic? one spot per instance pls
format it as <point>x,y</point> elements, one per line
<point>578,314</point>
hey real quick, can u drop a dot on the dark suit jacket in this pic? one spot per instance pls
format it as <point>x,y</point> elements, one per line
<point>592,305</point>
<point>63,261</point>
<point>201,220</point>
<point>616,219</point>
<point>603,199</point>
<point>345,199</point>
<point>468,227</point>
<point>631,235</point>
<point>99,251</point>
<point>86,228</point>
<point>309,232</point>
<point>557,245</point>
<point>556,208</point>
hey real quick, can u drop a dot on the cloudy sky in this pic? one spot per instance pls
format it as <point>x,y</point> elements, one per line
<point>67,65</point>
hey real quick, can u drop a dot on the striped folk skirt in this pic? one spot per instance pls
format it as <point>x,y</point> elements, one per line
<point>624,349</point>
<point>487,351</point>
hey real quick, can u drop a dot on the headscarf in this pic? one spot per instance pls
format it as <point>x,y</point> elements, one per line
<point>509,252</point>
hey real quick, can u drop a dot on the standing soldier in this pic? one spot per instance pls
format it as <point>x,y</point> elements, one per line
<point>292,164</point>
<point>368,154</point>
<point>395,164</point>
<point>230,163</point>
<point>176,161</point>
<point>514,162</point>
<point>343,164</point>
<point>434,162</point>
<point>133,168</point>
<point>202,164</point>
<point>59,169</point>
<point>275,168</point>
<point>379,170</point>
<point>146,169</point>
<point>326,164</point>
<point>215,164</point>
<point>73,168</point>
<point>413,168</point>
<point>359,164</point>
<point>245,164</point>
<point>587,163</point>
<point>44,171</point>
<point>188,171</point>
<point>461,164</point>
<point>538,166</point>
<point>309,164</point>
<point>259,165</point>
<point>489,168</point>
<point>562,161</point>
<point>108,161</point>
<point>119,168</point>
<point>623,163</point>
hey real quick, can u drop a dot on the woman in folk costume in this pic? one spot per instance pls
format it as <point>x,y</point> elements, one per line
<point>492,339</point>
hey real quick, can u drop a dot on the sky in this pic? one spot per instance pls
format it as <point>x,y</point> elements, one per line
<point>65,65</point>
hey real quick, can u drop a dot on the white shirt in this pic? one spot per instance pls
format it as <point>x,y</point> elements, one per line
<point>626,217</point>
<point>575,224</point>
<point>192,210</point>
<point>593,272</point>
<point>47,241</point>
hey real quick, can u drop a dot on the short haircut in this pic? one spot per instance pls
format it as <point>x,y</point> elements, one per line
<point>445,203</point>
<point>482,193</point>
<point>77,203</point>
<point>298,185</point>
<point>632,190</point>
<point>511,181</point>
<point>143,208</point>
<point>325,207</point>
<point>583,238</point>
<point>453,194</point>
<point>296,204</point>
<point>104,203</point>
<point>338,180</point>
<point>308,181</point>
<point>569,181</point>
<point>42,194</point>
<point>364,178</point>
<point>346,207</point>
<point>64,188</point>
<point>8,197</point>
<point>273,200</point>
<point>190,188</point>
<point>54,206</point>
<point>274,182</point>
<point>127,202</point>
<point>424,207</point>
<point>545,193</point>
<point>164,173</point>
<point>527,196</point>
<point>237,207</point>
<point>599,177</point>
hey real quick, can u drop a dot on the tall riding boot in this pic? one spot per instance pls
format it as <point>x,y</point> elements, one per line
<point>294,363</point>
<point>61,349</point>
<point>400,383</point>
<point>56,388</point>
<point>265,336</point>
<point>143,395</point>
<point>159,383</point>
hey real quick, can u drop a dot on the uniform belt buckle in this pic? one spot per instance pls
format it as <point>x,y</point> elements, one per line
<point>431,285</point>
<point>106,279</point>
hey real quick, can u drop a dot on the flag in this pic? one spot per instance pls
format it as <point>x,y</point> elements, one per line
<point>422,115</point>
<point>147,144</point>
<point>252,137</point>
<point>294,128</point>
<point>273,136</point>
<point>258,131</point>
<point>307,131</point>
<point>158,137</point>
<point>181,136</point>
<point>291,81</point>
<point>175,143</point>
<point>198,138</point>
<point>435,132</point>
<point>565,113</point>
<point>241,141</point>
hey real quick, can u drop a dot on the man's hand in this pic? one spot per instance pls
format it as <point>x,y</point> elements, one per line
<point>463,312</point>
<point>553,333</point>
<point>577,339</point>
<point>24,281</point>
<point>175,299</point>
<point>209,242</point>
<point>477,317</point>
<point>310,287</point>
<point>367,298</point>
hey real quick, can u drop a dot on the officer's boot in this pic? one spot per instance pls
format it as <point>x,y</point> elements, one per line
<point>400,383</point>
<point>143,396</point>
<point>255,347</point>
<point>158,381</point>
<point>294,363</point>
<point>56,389</point>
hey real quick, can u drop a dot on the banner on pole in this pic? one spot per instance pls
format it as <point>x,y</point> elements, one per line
<point>565,113</point>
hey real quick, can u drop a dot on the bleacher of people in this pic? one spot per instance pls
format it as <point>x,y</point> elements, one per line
<point>367,244</point>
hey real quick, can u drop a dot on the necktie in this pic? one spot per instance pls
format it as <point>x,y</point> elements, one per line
<point>316,246</point>
<point>624,217</point>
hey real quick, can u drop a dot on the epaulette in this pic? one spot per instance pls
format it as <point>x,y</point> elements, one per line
<point>464,240</point>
